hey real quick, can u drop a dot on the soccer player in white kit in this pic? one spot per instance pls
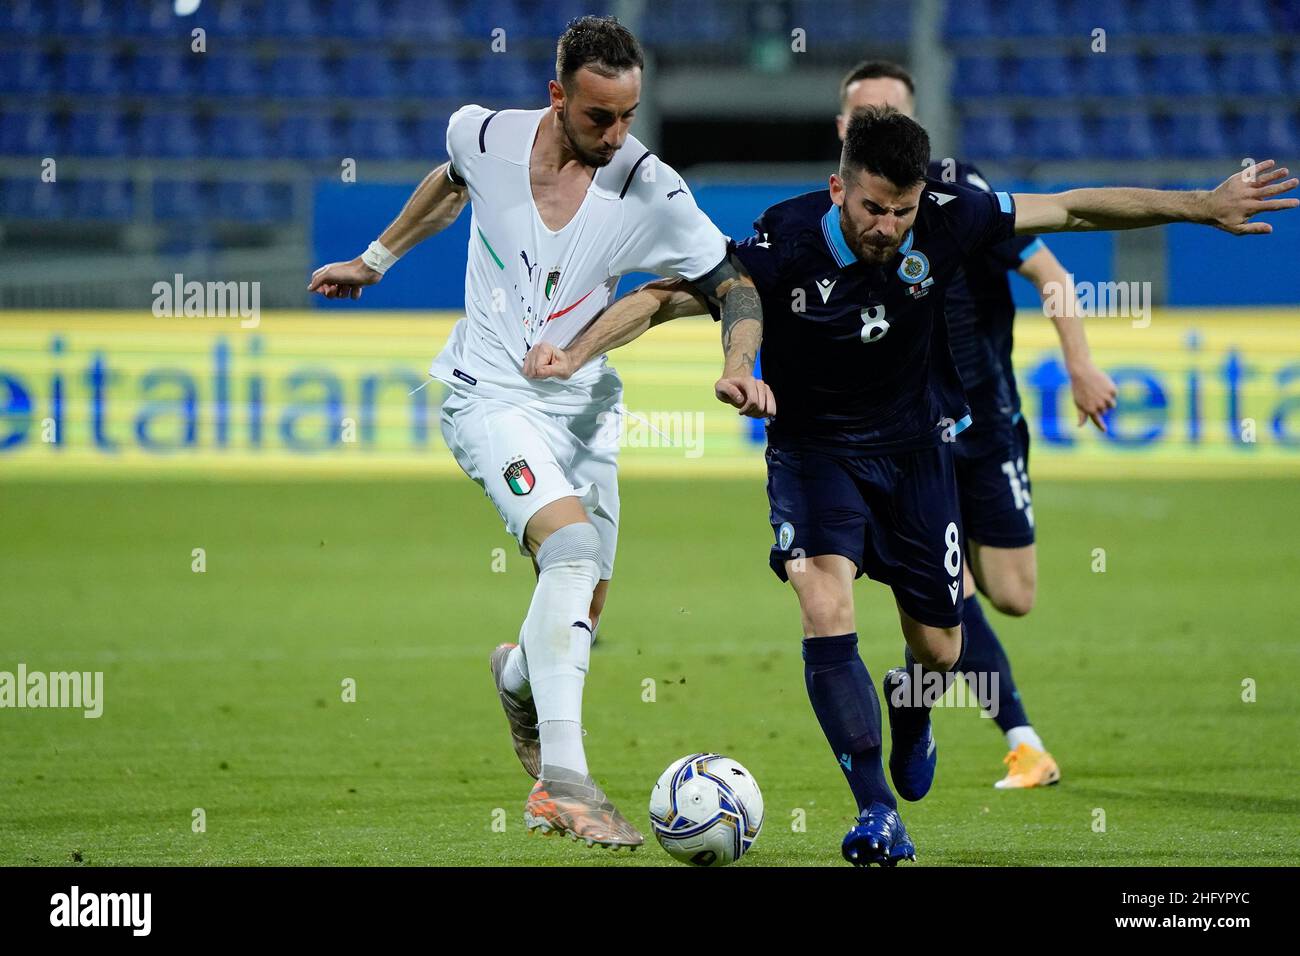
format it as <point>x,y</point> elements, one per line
<point>564,202</point>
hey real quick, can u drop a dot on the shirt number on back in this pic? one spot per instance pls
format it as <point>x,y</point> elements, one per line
<point>1019,481</point>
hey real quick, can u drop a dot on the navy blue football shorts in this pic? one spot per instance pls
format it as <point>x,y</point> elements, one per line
<point>993,482</point>
<point>896,517</point>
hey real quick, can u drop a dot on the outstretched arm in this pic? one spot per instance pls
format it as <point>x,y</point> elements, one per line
<point>1093,390</point>
<point>1228,207</point>
<point>435,205</point>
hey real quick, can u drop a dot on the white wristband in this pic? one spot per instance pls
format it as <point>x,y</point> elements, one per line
<point>378,258</point>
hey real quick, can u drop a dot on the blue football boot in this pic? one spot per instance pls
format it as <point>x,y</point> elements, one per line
<point>878,837</point>
<point>913,757</point>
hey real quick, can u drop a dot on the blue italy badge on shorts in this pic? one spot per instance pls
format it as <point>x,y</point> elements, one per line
<point>785,537</point>
<point>519,476</point>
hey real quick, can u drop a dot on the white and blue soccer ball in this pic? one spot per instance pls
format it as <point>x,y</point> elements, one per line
<point>706,810</point>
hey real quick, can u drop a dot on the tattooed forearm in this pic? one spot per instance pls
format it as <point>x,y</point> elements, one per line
<point>742,328</point>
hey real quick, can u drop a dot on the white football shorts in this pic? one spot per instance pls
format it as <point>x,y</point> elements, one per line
<point>525,458</point>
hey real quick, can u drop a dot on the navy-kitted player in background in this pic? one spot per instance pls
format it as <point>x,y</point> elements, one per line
<point>868,403</point>
<point>992,456</point>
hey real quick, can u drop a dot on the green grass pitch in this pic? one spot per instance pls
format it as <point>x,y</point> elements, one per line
<point>223,689</point>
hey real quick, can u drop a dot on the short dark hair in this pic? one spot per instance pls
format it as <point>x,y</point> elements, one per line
<point>886,143</point>
<point>875,70</point>
<point>601,44</point>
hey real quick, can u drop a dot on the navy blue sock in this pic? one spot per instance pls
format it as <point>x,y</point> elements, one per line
<point>986,656</point>
<point>846,706</point>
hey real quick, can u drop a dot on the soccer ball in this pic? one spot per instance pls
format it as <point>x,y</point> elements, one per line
<point>706,809</point>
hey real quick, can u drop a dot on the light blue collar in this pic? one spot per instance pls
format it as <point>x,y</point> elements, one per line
<point>833,233</point>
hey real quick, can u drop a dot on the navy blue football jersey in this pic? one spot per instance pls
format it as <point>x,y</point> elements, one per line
<point>981,311</point>
<point>857,354</point>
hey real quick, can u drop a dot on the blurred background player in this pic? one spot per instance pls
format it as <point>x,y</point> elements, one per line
<point>992,456</point>
<point>564,202</point>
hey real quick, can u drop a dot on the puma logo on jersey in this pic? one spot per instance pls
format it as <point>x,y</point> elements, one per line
<point>680,189</point>
<point>524,256</point>
<point>942,198</point>
<point>824,287</point>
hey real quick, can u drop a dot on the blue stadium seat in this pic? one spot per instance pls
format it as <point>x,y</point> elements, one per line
<point>27,71</point>
<point>969,19</point>
<point>1239,16</point>
<point>238,136</point>
<point>293,19</point>
<point>1258,72</point>
<point>309,136</point>
<point>1167,18</point>
<point>429,141</point>
<point>1293,74</point>
<point>1113,16</point>
<point>1270,135</point>
<point>360,19</point>
<point>152,18</point>
<point>300,75</point>
<point>244,202</point>
<point>1122,136</point>
<point>1111,74</point>
<point>1195,135</point>
<point>175,135</point>
<point>104,199</point>
<point>167,74</point>
<point>480,19</point>
<point>31,134</point>
<point>989,137</point>
<point>86,18</point>
<point>977,76</point>
<point>510,79</point>
<point>1182,74</point>
<point>423,20</point>
<point>367,74</point>
<point>1048,75</point>
<point>29,198</point>
<point>375,137</point>
<point>26,18</point>
<point>1027,18</point>
<point>548,20</point>
<point>101,132</point>
<point>178,199</point>
<point>95,72</point>
<point>239,18</point>
<point>231,74</point>
<point>1056,137</point>
<point>441,77</point>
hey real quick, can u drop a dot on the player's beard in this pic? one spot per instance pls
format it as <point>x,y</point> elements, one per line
<point>865,246</point>
<point>585,156</point>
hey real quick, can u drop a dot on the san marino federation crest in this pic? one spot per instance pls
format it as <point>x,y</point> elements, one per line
<point>552,278</point>
<point>914,268</point>
<point>519,476</point>
<point>785,537</point>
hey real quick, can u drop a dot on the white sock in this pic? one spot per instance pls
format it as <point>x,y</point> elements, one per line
<point>515,674</point>
<point>1023,735</point>
<point>556,638</point>
<point>562,744</point>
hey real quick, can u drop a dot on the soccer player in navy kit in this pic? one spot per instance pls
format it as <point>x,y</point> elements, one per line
<point>992,456</point>
<point>868,403</point>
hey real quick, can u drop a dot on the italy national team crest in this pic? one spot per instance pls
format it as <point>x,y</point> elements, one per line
<point>551,279</point>
<point>519,476</point>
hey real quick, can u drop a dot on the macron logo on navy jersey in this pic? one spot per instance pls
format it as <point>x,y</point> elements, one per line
<point>942,198</point>
<point>824,287</point>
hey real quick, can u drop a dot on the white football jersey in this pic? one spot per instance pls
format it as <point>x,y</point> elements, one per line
<point>525,284</point>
